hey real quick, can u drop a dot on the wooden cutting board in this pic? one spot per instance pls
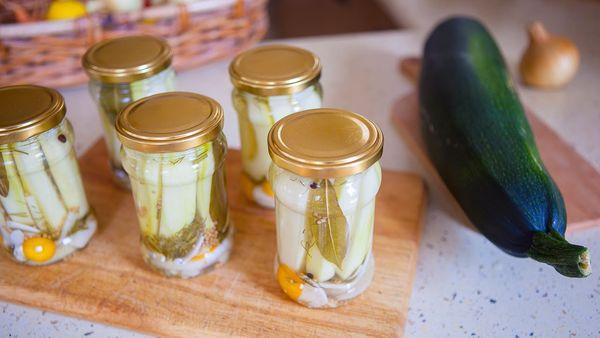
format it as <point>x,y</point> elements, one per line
<point>108,281</point>
<point>578,180</point>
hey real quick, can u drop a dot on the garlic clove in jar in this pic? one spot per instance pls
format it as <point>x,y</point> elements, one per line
<point>549,61</point>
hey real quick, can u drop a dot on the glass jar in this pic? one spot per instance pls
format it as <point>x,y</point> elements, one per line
<point>174,151</point>
<point>325,176</point>
<point>270,82</point>
<point>45,212</point>
<point>121,71</point>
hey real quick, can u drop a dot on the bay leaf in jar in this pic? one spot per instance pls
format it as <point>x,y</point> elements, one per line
<point>326,222</point>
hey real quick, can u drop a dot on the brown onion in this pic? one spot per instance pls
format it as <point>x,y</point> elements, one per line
<point>549,61</point>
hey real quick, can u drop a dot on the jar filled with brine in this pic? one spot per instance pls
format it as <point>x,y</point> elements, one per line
<point>45,212</point>
<point>325,176</point>
<point>174,152</point>
<point>123,70</point>
<point>270,82</point>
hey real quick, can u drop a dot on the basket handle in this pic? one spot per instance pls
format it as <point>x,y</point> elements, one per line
<point>92,27</point>
<point>184,17</point>
<point>4,52</point>
<point>239,9</point>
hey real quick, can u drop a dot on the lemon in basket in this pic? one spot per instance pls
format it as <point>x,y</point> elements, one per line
<point>65,9</point>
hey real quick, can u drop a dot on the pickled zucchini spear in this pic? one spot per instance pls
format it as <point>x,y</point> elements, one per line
<point>13,196</point>
<point>317,265</point>
<point>43,193</point>
<point>63,166</point>
<point>110,138</point>
<point>256,156</point>
<point>353,197</point>
<point>178,207</point>
<point>165,199</point>
<point>283,105</point>
<point>112,99</point>
<point>147,190</point>
<point>218,201</point>
<point>291,237</point>
<point>362,221</point>
<point>204,184</point>
<point>360,239</point>
<point>173,198</point>
<point>257,114</point>
<point>159,83</point>
<point>44,201</point>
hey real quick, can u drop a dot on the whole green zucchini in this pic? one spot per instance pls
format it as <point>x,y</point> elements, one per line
<point>482,146</point>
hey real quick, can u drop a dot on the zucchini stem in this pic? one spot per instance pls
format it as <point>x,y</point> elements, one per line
<point>568,259</point>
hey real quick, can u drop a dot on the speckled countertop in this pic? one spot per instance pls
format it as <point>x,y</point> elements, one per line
<point>464,286</point>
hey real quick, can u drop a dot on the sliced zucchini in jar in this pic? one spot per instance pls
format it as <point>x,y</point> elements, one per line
<point>259,114</point>
<point>178,198</point>
<point>360,241</point>
<point>65,172</point>
<point>43,197</point>
<point>247,133</point>
<point>362,219</point>
<point>320,268</point>
<point>148,191</point>
<point>291,237</point>
<point>13,196</point>
<point>218,199</point>
<point>206,168</point>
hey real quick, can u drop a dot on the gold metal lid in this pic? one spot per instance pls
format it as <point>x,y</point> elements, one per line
<point>325,143</point>
<point>275,70</point>
<point>127,59</point>
<point>28,110</point>
<point>169,122</point>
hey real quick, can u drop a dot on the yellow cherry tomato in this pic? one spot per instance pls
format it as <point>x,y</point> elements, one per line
<point>266,188</point>
<point>65,9</point>
<point>39,249</point>
<point>289,281</point>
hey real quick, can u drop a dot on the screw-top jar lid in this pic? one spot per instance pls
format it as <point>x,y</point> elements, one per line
<point>28,110</point>
<point>275,70</point>
<point>127,59</point>
<point>325,143</point>
<point>169,122</point>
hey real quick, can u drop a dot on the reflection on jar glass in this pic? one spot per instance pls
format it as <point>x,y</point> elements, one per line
<point>45,212</point>
<point>121,71</point>
<point>325,176</point>
<point>270,82</point>
<point>176,166</point>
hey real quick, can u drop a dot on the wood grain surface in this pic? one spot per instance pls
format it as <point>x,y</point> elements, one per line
<point>578,180</point>
<point>108,281</point>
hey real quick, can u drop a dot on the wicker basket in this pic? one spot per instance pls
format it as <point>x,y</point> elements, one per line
<point>49,53</point>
